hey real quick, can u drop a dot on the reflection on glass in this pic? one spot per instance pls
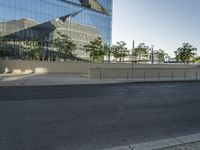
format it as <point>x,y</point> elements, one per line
<point>40,21</point>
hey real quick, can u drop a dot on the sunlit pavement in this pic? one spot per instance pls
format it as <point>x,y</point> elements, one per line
<point>50,79</point>
<point>66,79</point>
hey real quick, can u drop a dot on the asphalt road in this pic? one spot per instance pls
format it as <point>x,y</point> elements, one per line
<point>90,117</point>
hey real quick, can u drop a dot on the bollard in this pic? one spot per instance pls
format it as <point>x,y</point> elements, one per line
<point>172,76</point>
<point>144,76</point>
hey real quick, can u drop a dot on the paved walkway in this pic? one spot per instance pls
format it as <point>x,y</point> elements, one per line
<point>50,79</point>
<point>62,79</point>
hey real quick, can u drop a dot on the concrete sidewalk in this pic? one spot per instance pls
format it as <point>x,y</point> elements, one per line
<point>64,79</point>
<point>51,79</point>
<point>190,142</point>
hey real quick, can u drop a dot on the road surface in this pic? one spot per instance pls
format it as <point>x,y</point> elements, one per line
<point>90,117</point>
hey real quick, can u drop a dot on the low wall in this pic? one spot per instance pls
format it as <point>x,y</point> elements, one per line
<point>23,66</point>
<point>146,73</point>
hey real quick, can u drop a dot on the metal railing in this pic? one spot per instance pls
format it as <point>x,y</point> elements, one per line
<point>150,74</point>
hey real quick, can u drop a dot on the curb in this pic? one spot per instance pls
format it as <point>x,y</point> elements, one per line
<point>23,84</point>
<point>161,143</point>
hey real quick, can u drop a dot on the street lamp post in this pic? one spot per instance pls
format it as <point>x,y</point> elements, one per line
<point>152,54</point>
<point>132,61</point>
<point>133,49</point>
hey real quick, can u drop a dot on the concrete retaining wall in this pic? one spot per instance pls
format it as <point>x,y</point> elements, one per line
<point>19,66</point>
<point>146,73</point>
<point>114,70</point>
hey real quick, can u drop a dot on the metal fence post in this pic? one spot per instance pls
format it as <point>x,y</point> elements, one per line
<point>196,75</point>
<point>184,75</point>
<point>100,74</point>
<point>158,75</point>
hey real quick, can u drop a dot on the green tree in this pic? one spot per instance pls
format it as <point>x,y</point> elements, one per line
<point>96,49</point>
<point>2,51</point>
<point>141,51</point>
<point>107,51</point>
<point>64,45</point>
<point>185,53</point>
<point>5,48</point>
<point>160,55</point>
<point>120,51</point>
<point>197,60</point>
<point>32,49</point>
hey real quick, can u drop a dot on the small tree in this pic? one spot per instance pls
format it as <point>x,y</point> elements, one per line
<point>96,49</point>
<point>1,41</point>
<point>185,53</point>
<point>197,60</point>
<point>120,51</point>
<point>141,51</point>
<point>107,51</point>
<point>32,49</point>
<point>64,45</point>
<point>1,48</point>
<point>5,48</point>
<point>160,55</point>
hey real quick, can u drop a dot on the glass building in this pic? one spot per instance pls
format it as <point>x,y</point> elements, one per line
<point>22,21</point>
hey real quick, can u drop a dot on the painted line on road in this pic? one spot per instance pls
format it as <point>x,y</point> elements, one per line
<point>160,144</point>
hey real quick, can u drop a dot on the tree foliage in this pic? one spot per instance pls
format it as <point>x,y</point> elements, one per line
<point>160,55</point>
<point>96,49</point>
<point>108,52</point>
<point>5,48</point>
<point>197,60</point>
<point>120,51</point>
<point>32,49</point>
<point>141,51</point>
<point>64,45</point>
<point>185,53</point>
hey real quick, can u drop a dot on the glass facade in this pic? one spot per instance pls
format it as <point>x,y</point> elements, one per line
<point>42,20</point>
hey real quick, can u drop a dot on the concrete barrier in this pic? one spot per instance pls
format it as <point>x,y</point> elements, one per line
<point>97,70</point>
<point>146,73</point>
<point>21,66</point>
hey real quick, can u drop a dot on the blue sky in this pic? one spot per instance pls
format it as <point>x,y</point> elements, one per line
<point>163,23</point>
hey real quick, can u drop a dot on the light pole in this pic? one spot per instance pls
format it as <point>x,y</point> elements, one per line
<point>152,54</point>
<point>133,49</point>
<point>132,61</point>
